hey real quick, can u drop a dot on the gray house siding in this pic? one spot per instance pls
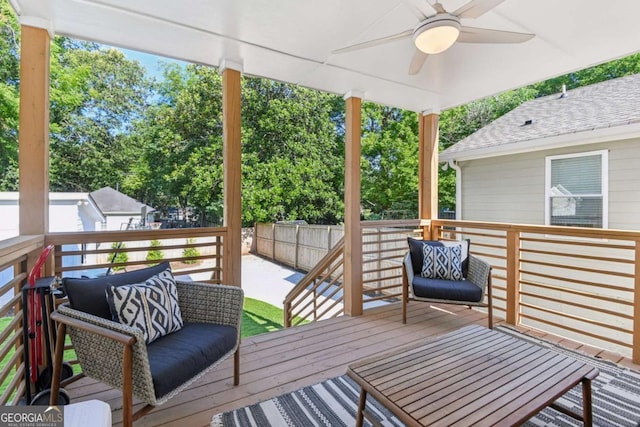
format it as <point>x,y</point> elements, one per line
<point>512,188</point>
<point>504,189</point>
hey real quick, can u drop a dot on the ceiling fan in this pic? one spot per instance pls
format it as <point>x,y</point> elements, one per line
<point>436,33</point>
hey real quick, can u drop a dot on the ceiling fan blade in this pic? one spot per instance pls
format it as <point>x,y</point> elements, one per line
<point>376,42</point>
<point>417,62</point>
<point>476,8</point>
<point>438,7</point>
<point>484,35</point>
<point>418,8</point>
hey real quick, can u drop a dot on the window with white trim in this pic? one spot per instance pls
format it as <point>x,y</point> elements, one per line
<point>576,189</point>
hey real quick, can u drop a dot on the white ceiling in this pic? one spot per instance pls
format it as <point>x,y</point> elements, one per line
<point>292,41</point>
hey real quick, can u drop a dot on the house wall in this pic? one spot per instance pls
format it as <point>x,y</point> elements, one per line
<point>511,188</point>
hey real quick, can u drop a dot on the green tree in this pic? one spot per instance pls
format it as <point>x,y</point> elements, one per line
<point>588,76</point>
<point>181,137</point>
<point>292,155</point>
<point>9,97</point>
<point>96,96</point>
<point>389,161</point>
<point>118,255</point>
<point>190,252</point>
<point>155,254</point>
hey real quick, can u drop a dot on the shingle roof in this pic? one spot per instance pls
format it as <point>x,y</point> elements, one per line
<point>611,103</point>
<point>110,201</point>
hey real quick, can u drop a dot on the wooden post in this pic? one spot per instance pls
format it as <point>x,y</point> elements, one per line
<point>296,253</point>
<point>273,241</point>
<point>635,356</point>
<point>232,173</point>
<point>428,166</point>
<point>352,232</point>
<point>33,137</point>
<point>513,277</point>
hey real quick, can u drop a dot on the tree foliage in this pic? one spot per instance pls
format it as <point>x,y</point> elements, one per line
<point>96,96</point>
<point>292,158</point>
<point>180,139</point>
<point>161,142</point>
<point>389,162</point>
<point>9,97</point>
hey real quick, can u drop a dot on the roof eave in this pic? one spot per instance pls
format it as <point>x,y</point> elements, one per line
<point>592,136</point>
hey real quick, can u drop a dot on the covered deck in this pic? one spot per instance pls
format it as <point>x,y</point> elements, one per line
<point>284,361</point>
<point>294,43</point>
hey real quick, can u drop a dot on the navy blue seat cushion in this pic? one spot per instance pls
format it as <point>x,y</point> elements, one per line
<point>453,290</point>
<point>180,356</point>
<point>89,295</point>
<point>417,256</point>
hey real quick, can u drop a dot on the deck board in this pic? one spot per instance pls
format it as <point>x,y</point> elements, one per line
<point>283,361</point>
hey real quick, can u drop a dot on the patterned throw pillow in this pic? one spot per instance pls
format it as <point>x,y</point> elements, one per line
<point>151,306</point>
<point>442,262</point>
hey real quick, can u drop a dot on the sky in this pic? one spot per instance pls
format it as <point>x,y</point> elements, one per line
<point>150,62</point>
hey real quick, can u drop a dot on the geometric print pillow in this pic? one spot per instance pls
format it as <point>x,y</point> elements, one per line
<point>442,262</point>
<point>151,307</point>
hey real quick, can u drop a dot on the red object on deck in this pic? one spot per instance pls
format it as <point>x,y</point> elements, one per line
<point>35,318</point>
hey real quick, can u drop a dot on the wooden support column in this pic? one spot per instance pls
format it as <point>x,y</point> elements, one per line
<point>428,166</point>
<point>231,151</point>
<point>513,277</point>
<point>352,231</point>
<point>33,160</point>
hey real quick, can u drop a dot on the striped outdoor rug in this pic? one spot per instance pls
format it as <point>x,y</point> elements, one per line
<point>616,402</point>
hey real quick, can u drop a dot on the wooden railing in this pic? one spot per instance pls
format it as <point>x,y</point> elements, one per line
<point>384,245</point>
<point>192,252</point>
<point>17,255</point>
<point>579,283</point>
<point>319,294</point>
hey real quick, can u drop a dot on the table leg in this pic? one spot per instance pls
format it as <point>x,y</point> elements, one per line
<point>587,411</point>
<point>361,405</point>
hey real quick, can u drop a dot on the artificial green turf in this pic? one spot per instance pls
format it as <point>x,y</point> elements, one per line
<point>259,317</point>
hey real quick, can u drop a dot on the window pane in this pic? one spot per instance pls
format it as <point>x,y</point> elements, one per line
<point>576,211</point>
<point>577,175</point>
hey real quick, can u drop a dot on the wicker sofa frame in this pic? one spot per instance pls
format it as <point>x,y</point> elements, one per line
<point>479,274</point>
<point>116,354</point>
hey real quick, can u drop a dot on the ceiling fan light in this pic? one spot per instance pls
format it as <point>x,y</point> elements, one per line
<point>437,34</point>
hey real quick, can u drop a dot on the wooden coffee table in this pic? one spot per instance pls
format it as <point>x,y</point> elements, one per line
<point>472,376</point>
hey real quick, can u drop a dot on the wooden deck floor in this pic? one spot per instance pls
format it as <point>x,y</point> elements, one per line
<point>283,361</point>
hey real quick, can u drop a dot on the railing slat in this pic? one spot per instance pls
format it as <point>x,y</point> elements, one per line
<point>636,305</point>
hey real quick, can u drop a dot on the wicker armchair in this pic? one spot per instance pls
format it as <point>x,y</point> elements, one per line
<point>479,275</point>
<point>117,354</point>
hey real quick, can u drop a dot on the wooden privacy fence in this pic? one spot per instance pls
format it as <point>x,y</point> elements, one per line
<point>298,246</point>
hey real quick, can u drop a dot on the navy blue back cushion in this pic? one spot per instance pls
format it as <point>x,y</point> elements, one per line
<point>417,256</point>
<point>89,295</point>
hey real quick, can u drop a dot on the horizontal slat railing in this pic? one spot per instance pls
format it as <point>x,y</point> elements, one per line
<point>17,256</point>
<point>193,252</point>
<point>580,283</point>
<point>384,246</point>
